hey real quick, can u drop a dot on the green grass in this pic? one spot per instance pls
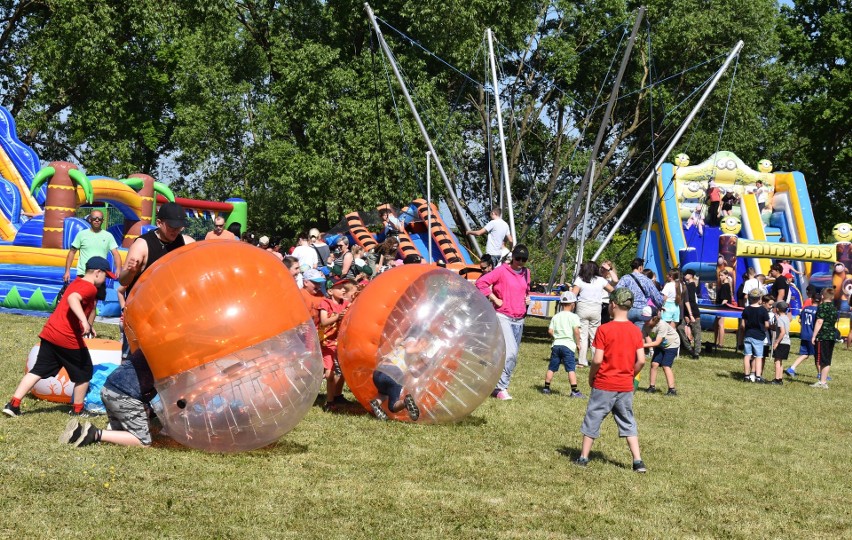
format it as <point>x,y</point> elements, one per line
<point>725,459</point>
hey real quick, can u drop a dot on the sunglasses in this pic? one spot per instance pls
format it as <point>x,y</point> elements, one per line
<point>521,259</point>
<point>96,219</point>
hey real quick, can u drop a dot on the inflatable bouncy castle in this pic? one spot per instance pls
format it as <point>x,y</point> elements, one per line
<point>38,223</point>
<point>768,218</point>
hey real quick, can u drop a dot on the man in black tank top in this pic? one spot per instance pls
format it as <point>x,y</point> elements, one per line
<point>155,243</point>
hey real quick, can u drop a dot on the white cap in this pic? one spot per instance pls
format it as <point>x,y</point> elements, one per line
<point>264,241</point>
<point>568,298</point>
<point>647,311</point>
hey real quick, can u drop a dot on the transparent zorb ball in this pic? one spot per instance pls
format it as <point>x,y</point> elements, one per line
<point>247,399</point>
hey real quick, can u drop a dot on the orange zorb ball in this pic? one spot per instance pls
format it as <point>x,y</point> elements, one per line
<point>432,333</point>
<point>229,341</point>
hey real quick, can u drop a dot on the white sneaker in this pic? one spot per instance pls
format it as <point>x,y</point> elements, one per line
<point>503,395</point>
<point>820,384</point>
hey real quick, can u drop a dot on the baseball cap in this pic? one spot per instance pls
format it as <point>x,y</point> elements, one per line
<point>568,298</point>
<point>99,263</point>
<point>263,241</point>
<point>520,252</point>
<point>312,274</point>
<point>622,297</point>
<point>781,306</point>
<point>754,294</point>
<point>341,282</point>
<point>173,214</point>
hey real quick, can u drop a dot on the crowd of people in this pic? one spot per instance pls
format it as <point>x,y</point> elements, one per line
<point>605,323</point>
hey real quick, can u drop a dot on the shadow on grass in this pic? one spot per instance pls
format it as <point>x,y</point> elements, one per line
<point>573,453</point>
<point>42,409</point>
<point>536,334</point>
<point>736,375</point>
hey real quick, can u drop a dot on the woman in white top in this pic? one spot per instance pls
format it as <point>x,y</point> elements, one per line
<point>589,288</point>
<point>672,292</point>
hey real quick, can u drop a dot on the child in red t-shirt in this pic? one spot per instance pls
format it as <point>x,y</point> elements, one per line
<point>331,312</point>
<point>62,344</point>
<point>619,357</point>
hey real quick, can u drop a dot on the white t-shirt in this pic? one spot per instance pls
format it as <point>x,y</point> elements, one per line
<point>306,255</point>
<point>750,285</point>
<point>591,292</point>
<point>670,291</point>
<point>497,231</point>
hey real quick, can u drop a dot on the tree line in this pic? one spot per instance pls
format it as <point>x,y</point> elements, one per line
<point>291,105</point>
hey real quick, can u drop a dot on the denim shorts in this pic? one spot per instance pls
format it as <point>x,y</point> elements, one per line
<point>603,402</point>
<point>560,354</point>
<point>806,348</point>
<point>753,347</point>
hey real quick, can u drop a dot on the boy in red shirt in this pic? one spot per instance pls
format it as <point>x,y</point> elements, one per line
<point>619,357</point>
<point>62,343</point>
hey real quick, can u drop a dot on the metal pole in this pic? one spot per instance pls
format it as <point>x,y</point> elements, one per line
<point>581,252</point>
<point>734,52</point>
<point>417,119</point>
<point>574,209</point>
<point>429,204</point>
<point>648,226</point>
<point>505,162</point>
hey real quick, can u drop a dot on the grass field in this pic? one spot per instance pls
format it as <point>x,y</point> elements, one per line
<point>725,459</point>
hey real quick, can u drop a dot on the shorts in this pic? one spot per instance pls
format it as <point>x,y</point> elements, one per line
<point>127,414</point>
<point>824,352</point>
<point>560,354</point>
<point>781,352</point>
<point>329,358</point>
<point>387,386</point>
<point>664,357</point>
<point>603,402</point>
<point>806,348</point>
<point>51,358</point>
<point>670,313</point>
<point>753,347</point>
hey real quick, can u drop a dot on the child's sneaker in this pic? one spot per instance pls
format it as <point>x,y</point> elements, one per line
<point>790,372</point>
<point>651,390</point>
<point>503,395</point>
<point>72,432</point>
<point>545,391</point>
<point>87,435</point>
<point>376,407</point>
<point>671,392</point>
<point>82,414</point>
<point>581,461</point>
<point>12,411</point>
<point>639,466</point>
<point>820,384</point>
<point>578,394</point>
<point>411,407</point>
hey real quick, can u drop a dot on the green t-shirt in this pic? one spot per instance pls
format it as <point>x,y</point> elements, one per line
<point>828,313</point>
<point>91,244</point>
<point>563,325</point>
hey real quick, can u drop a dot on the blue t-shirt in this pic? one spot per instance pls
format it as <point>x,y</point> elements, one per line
<point>807,317</point>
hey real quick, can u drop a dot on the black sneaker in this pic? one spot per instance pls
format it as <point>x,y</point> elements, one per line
<point>340,400</point>
<point>411,407</point>
<point>639,466</point>
<point>11,411</point>
<point>651,390</point>
<point>87,435</point>
<point>82,414</point>
<point>776,382</point>
<point>545,391</point>
<point>581,461</point>
<point>72,432</point>
<point>671,392</point>
<point>376,407</point>
<point>695,356</point>
<point>759,380</point>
